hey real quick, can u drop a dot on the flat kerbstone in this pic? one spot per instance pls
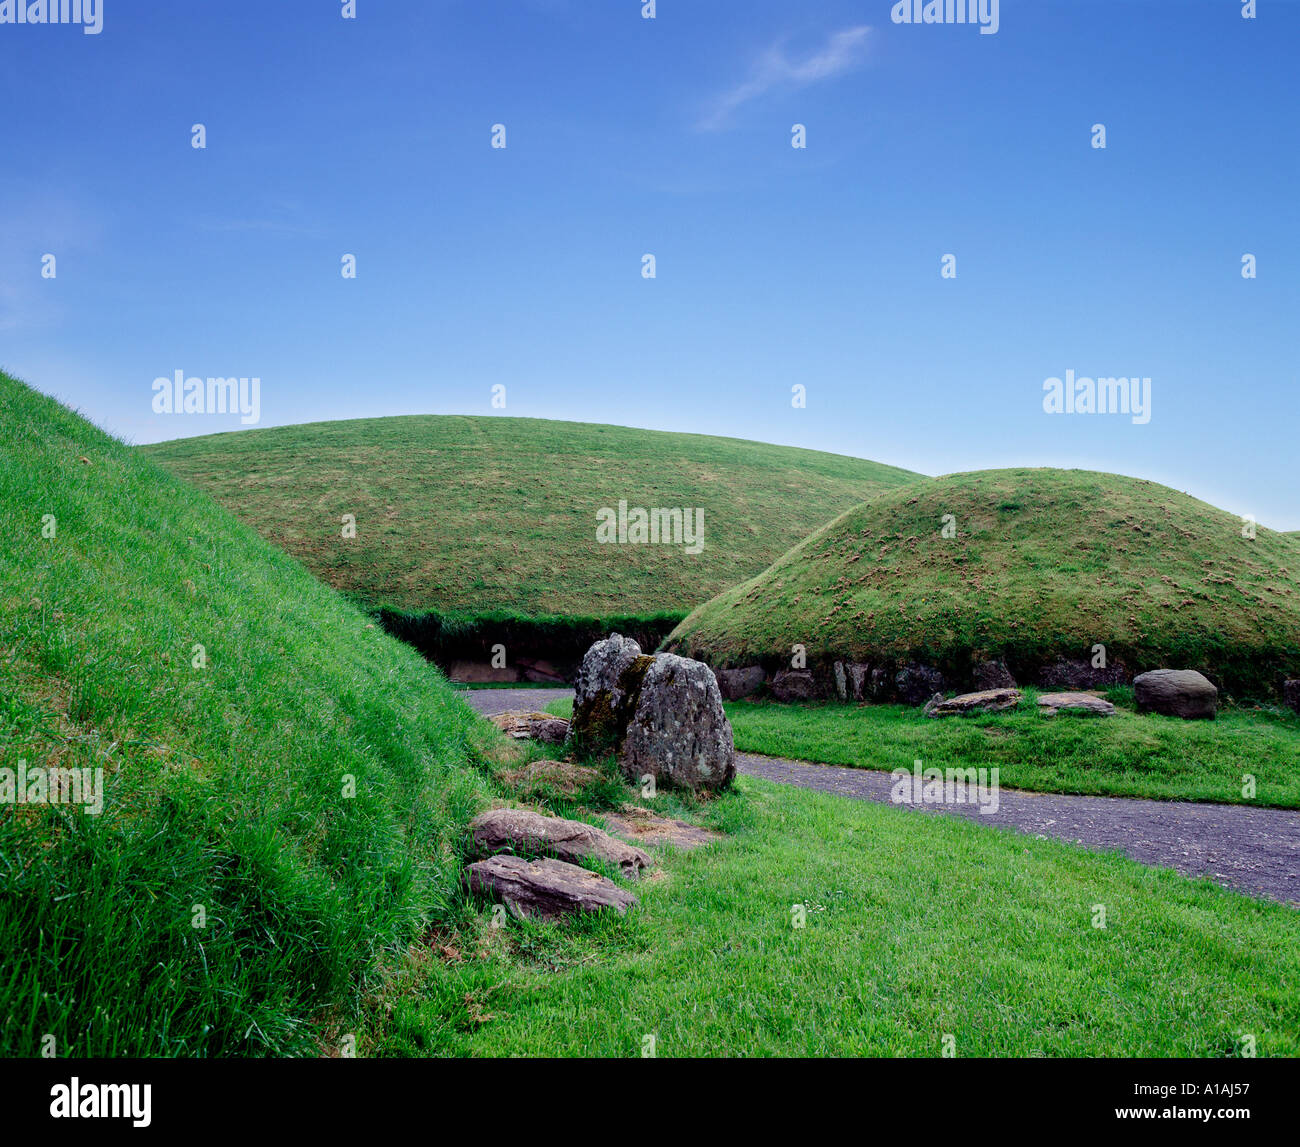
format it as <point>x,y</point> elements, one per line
<point>648,828</point>
<point>1052,703</point>
<point>545,888</point>
<point>528,833</point>
<point>525,726</point>
<point>985,701</point>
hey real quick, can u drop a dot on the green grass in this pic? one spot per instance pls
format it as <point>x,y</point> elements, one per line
<point>1130,755</point>
<point>916,927</point>
<point>465,514</point>
<point>328,916</point>
<point>1045,563</point>
<point>224,784</point>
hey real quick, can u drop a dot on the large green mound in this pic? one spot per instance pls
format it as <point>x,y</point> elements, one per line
<point>475,514</point>
<point>1044,564</point>
<point>225,786</point>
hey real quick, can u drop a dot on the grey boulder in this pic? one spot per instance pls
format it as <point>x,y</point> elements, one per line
<point>1181,693</point>
<point>662,716</point>
<point>1291,694</point>
<point>605,694</point>
<point>679,733</point>
<point>734,684</point>
<point>794,685</point>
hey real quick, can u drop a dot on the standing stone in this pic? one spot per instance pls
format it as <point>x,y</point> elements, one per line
<point>882,684</point>
<point>794,685</point>
<point>604,695</point>
<point>916,684</point>
<point>660,715</point>
<point>1291,694</point>
<point>841,681</point>
<point>737,683</point>
<point>679,733</point>
<point>859,681</point>
<point>993,675</point>
<point>1176,693</point>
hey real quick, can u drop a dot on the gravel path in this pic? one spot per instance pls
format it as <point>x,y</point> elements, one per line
<point>1254,850</point>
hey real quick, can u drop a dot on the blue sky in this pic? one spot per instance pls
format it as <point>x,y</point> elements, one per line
<point>775,266</point>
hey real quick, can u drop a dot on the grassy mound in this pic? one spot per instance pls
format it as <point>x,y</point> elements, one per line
<point>1042,564</point>
<point>231,898</point>
<point>467,515</point>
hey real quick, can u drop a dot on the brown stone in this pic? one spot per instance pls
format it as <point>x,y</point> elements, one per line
<point>650,829</point>
<point>481,673</point>
<point>525,726</point>
<point>967,704</point>
<point>545,888</point>
<point>1053,703</point>
<point>527,833</point>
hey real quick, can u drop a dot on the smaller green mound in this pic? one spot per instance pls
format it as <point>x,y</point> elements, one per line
<point>1042,565</point>
<point>232,898</point>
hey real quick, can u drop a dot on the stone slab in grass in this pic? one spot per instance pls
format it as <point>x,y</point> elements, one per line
<point>1049,704</point>
<point>527,833</point>
<point>652,830</point>
<point>525,726</point>
<point>971,704</point>
<point>550,889</point>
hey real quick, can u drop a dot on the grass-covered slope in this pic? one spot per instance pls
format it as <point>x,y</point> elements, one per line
<point>469,515</point>
<point>225,785</point>
<point>916,928</point>
<point>1042,564</point>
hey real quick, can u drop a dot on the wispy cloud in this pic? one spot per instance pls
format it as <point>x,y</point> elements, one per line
<point>774,69</point>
